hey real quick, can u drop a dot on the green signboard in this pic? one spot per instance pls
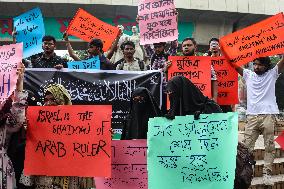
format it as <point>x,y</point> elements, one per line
<point>187,153</point>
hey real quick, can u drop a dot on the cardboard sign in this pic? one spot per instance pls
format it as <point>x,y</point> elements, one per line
<point>227,79</point>
<point>87,27</point>
<point>188,153</point>
<point>92,64</point>
<point>30,30</point>
<point>69,141</point>
<point>129,166</point>
<point>280,140</point>
<point>265,38</point>
<point>157,21</point>
<point>10,58</point>
<point>196,68</point>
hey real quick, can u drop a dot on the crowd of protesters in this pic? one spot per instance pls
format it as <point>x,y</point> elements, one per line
<point>185,98</point>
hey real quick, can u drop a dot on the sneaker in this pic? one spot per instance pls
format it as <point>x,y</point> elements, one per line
<point>267,180</point>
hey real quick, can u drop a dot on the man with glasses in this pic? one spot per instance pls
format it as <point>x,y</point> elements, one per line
<point>189,48</point>
<point>48,58</point>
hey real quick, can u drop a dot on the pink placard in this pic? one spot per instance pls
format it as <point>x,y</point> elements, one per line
<point>10,58</point>
<point>157,21</point>
<point>129,166</point>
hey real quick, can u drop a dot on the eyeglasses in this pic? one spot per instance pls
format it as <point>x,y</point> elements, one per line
<point>48,44</point>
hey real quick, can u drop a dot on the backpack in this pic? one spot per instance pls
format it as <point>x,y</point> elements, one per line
<point>121,62</point>
<point>244,168</point>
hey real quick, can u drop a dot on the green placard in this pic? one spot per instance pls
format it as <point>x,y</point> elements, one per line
<point>193,154</point>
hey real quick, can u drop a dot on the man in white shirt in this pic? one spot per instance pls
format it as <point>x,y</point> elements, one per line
<point>262,108</point>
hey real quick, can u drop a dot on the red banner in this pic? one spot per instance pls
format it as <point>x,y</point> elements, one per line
<point>196,68</point>
<point>265,38</point>
<point>280,140</point>
<point>227,79</point>
<point>87,27</point>
<point>69,141</point>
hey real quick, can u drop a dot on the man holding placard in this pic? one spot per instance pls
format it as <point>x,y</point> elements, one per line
<point>262,108</point>
<point>95,49</point>
<point>48,58</point>
<point>189,47</point>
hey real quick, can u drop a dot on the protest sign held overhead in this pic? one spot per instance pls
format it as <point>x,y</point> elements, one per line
<point>87,27</point>
<point>188,153</point>
<point>195,68</point>
<point>92,64</point>
<point>262,39</point>
<point>65,141</point>
<point>129,166</point>
<point>30,30</point>
<point>157,21</point>
<point>227,79</point>
<point>10,58</point>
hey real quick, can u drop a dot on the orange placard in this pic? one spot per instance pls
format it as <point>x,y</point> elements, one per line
<point>69,141</point>
<point>196,68</point>
<point>87,27</point>
<point>265,38</point>
<point>280,140</point>
<point>227,79</point>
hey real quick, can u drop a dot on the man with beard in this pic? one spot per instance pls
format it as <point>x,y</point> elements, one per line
<point>214,51</point>
<point>189,47</point>
<point>262,108</point>
<point>48,58</point>
<point>95,48</point>
<point>128,62</point>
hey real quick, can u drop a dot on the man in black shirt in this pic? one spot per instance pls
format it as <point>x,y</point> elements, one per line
<point>95,48</point>
<point>48,58</point>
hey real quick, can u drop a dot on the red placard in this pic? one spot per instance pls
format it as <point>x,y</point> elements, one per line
<point>280,140</point>
<point>69,141</point>
<point>265,38</point>
<point>87,27</point>
<point>227,79</point>
<point>196,68</point>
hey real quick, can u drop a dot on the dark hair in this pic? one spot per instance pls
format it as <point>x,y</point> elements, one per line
<point>160,44</point>
<point>213,39</point>
<point>48,38</point>
<point>32,99</point>
<point>122,46</point>
<point>6,109</point>
<point>264,61</point>
<point>189,39</point>
<point>97,43</point>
